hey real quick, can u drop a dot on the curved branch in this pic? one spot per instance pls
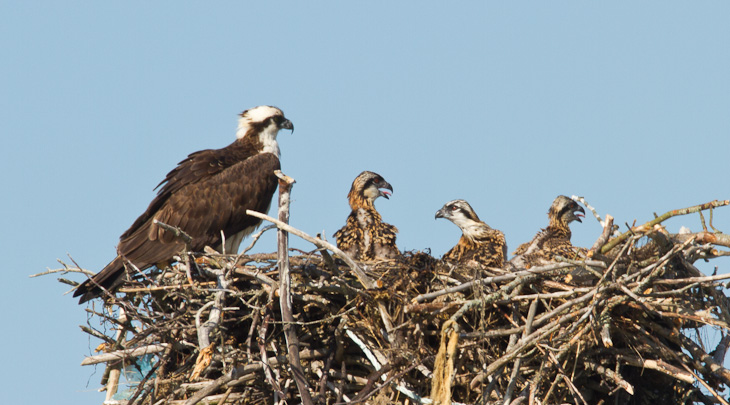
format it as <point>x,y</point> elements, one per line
<point>649,225</point>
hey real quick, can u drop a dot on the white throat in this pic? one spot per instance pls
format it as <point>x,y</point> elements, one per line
<point>268,139</point>
<point>468,227</point>
<point>267,136</point>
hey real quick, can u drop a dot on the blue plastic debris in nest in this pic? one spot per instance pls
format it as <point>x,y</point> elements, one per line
<point>133,375</point>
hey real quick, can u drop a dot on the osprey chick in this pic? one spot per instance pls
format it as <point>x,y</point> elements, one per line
<point>555,239</point>
<point>207,194</point>
<point>365,236</point>
<point>479,242</point>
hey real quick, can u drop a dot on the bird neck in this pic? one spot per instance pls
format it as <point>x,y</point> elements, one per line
<point>254,144</point>
<point>262,140</point>
<point>267,137</point>
<point>559,227</point>
<point>357,201</point>
<point>470,228</point>
<point>467,241</point>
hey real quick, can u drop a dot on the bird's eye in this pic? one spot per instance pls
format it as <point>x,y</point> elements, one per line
<point>376,181</point>
<point>454,208</point>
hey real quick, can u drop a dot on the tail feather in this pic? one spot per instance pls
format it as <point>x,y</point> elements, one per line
<point>108,278</point>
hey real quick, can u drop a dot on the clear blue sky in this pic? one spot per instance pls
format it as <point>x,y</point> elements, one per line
<point>503,104</point>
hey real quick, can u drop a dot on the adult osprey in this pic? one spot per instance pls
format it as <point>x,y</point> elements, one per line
<point>365,236</point>
<point>479,243</point>
<point>206,194</point>
<point>555,239</point>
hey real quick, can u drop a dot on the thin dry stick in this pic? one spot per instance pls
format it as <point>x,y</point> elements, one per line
<point>128,290</point>
<point>177,232</point>
<point>203,329</point>
<point>707,386</point>
<point>610,375</point>
<point>518,361</point>
<point>720,239</point>
<point>650,225</point>
<point>503,278</point>
<point>364,279</point>
<point>254,239</point>
<point>263,327</point>
<point>691,280</point>
<point>522,345</point>
<point>285,301</point>
<point>116,368</point>
<point>124,354</point>
<point>605,235</point>
<point>209,389</point>
<point>591,209</point>
<point>374,361</point>
<point>658,365</point>
<point>64,270</point>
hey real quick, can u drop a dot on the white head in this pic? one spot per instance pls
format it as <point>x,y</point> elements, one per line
<point>462,215</point>
<point>265,122</point>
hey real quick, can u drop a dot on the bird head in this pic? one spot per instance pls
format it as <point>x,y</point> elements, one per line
<point>367,187</point>
<point>565,210</point>
<point>459,212</point>
<point>264,122</point>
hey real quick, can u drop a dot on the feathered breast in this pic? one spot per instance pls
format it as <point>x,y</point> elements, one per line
<point>366,237</point>
<point>489,250</point>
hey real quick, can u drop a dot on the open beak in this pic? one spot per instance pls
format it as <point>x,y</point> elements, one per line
<point>383,190</point>
<point>579,213</point>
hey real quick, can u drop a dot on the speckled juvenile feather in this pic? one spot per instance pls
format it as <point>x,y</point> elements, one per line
<point>489,251</point>
<point>365,236</point>
<point>552,241</point>
<point>479,243</point>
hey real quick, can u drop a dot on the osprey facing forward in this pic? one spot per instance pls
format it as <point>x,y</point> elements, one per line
<point>365,236</point>
<point>479,243</point>
<point>555,239</point>
<point>207,194</point>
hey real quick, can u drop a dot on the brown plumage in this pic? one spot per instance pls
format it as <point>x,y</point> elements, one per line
<point>205,194</point>
<point>555,239</point>
<point>365,236</point>
<point>479,243</point>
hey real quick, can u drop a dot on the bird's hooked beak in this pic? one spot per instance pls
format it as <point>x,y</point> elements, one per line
<point>286,124</point>
<point>579,213</point>
<point>385,186</point>
<point>440,213</point>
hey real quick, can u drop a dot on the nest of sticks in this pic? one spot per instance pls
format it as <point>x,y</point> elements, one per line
<point>635,322</point>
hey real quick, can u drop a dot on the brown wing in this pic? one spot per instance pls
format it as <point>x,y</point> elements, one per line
<point>384,241</point>
<point>560,247</point>
<point>199,165</point>
<point>201,207</point>
<point>493,249</point>
<point>546,246</point>
<point>536,243</point>
<point>455,253</point>
<point>521,249</point>
<point>489,250</point>
<point>349,236</point>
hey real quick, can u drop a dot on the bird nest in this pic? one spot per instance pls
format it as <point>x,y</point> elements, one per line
<point>634,322</point>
